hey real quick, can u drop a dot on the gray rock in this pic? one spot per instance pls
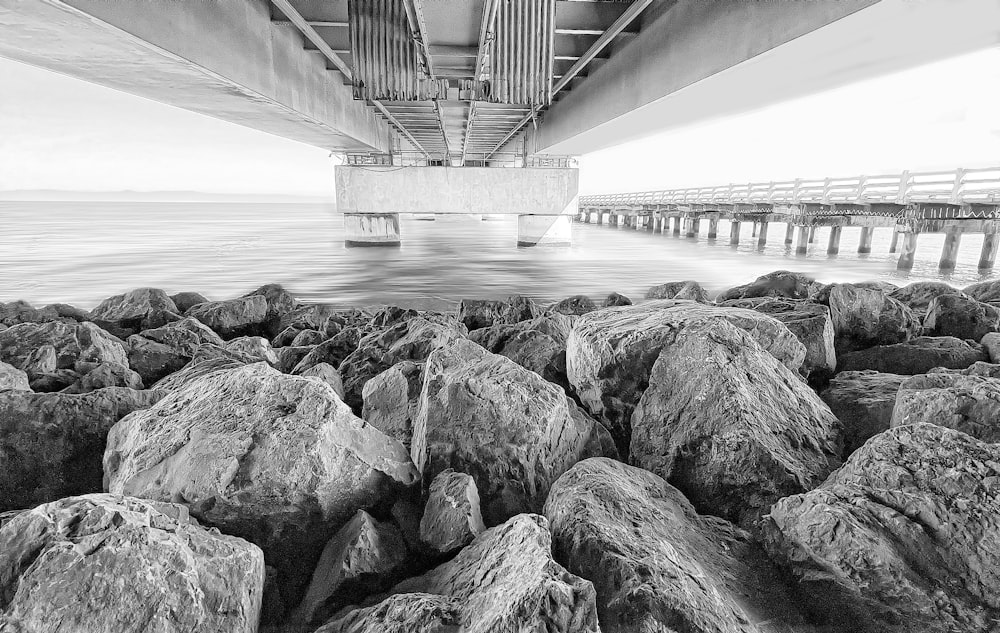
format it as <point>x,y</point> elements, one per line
<point>308,337</point>
<point>280,302</point>
<point>477,313</point>
<point>902,538</point>
<point>614,300</point>
<point>58,380</point>
<point>72,343</point>
<point>403,613</point>
<point>187,300</point>
<point>43,360</point>
<point>22,312</point>
<point>290,357</point>
<point>327,374</point>
<point>966,403</point>
<point>246,316</point>
<point>538,344</point>
<point>106,375</point>
<point>916,356</point>
<point>255,347</point>
<point>985,291</point>
<point>134,305</point>
<point>918,296</point>
<point>197,368</point>
<point>863,402</point>
<point>391,400</point>
<point>575,305</point>
<point>991,343</point>
<point>452,518</point>
<point>780,283</point>
<point>865,317</point>
<point>990,370</point>
<point>679,290</point>
<point>158,352</point>
<point>333,351</point>
<point>12,378</point>
<point>960,316</point>
<point>655,563</point>
<point>730,426</point>
<point>109,564</point>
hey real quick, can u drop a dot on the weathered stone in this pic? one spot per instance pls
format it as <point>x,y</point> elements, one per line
<point>279,460</point>
<point>512,431</point>
<point>614,300</point>
<point>325,373</point>
<point>308,337</point>
<point>863,402</point>
<point>902,538</point>
<point>51,444</point>
<point>12,378</point>
<point>285,337</point>
<point>985,291</point>
<point>980,368</point>
<point>575,305</point>
<point>391,400</point>
<point>43,360</point>
<point>73,344</point>
<point>505,580</point>
<point>966,403</point>
<point>960,316</point>
<point>655,563</point>
<point>388,316</point>
<point>730,426</point>
<point>363,557</point>
<point>679,290</point>
<point>918,295</point>
<point>134,305</point>
<point>158,352</point>
<point>108,564</point>
<point>279,303</point>
<point>780,283</point>
<point>477,313</point>
<point>22,312</point>
<point>822,295</point>
<point>58,380</point>
<point>916,356</point>
<point>290,357</point>
<point>863,317</point>
<point>610,353</point>
<point>538,344</point>
<point>452,518</point>
<point>246,316</point>
<point>255,347</point>
<point>333,351</point>
<point>991,343</point>
<point>106,375</point>
<point>187,300</point>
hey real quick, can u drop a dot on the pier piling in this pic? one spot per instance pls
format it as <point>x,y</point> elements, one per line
<point>834,245</point>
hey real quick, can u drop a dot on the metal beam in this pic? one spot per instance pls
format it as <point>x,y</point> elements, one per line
<point>485,35</point>
<point>310,34</point>
<point>415,17</point>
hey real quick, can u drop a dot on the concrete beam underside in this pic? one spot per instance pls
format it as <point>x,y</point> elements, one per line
<point>224,59</point>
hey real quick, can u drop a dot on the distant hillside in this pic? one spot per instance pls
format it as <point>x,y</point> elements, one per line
<point>54,195</point>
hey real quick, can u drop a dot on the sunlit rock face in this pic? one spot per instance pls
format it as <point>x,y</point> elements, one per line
<point>865,317</point>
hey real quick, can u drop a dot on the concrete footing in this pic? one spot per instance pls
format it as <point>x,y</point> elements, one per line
<point>536,230</point>
<point>371,229</point>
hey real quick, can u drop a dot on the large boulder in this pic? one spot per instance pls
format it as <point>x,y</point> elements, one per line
<point>902,538</point>
<point>279,460</point>
<point>77,346</point>
<point>960,316</point>
<point>991,343</point>
<point>246,316</point>
<point>505,580</point>
<point>477,313</point>
<point>655,563</point>
<point>13,378</point>
<point>106,375</point>
<point>918,295</point>
<point>255,347</point>
<point>23,312</point>
<point>730,426</point>
<point>866,317</point>
<point>452,518</point>
<point>327,374</point>
<point>391,400</point>
<point>52,444</point>
<point>985,291</point>
<point>916,356</point>
<point>514,432</point>
<point>574,306</point>
<point>615,300</point>
<point>538,344</point>
<point>966,403</point>
<point>186,300</point>
<point>108,564</point>
<point>204,362</point>
<point>780,283</point>
<point>161,351</point>
<point>679,290</point>
<point>333,351</point>
<point>279,301</point>
<point>134,305</point>
<point>610,353</point>
<point>863,402</point>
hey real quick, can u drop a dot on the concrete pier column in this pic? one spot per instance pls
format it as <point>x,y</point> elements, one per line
<point>895,240</point>
<point>803,244</point>
<point>677,226</point>
<point>762,237</point>
<point>371,229</point>
<point>713,228</point>
<point>789,233</point>
<point>694,225</point>
<point>753,232</point>
<point>909,250</point>
<point>734,233</point>
<point>989,253</point>
<point>812,234</point>
<point>949,253</point>
<point>600,217</point>
<point>834,245</point>
<point>865,245</point>
<point>534,230</point>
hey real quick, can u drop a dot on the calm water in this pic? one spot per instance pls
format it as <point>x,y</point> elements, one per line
<point>79,253</point>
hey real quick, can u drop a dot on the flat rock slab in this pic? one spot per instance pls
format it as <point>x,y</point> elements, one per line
<point>916,356</point>
<point>391,400</point>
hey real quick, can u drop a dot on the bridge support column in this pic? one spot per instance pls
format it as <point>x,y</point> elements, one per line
<point>677,226</point>
<point>753,231</point>
<point>803,244</point>
<point>949,253</point>
<point>534,230</point>
<point>812,234</point>
<point>694,227</point>
<point>734,233</point>
<point>713,228</point>
<point>909,250</point>
<point>834,246</point>
<point>371,229</point>
<point>989,254</point>
<point>865,245</point>
<point>762,238</point>
<point>600,217</point>
<point>895,240</point>
<point>789,233</point>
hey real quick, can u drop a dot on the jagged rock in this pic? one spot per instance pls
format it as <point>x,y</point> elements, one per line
<point>679,290</point>
<point>809,322</point>
<point>187,300</point>
<point>195,370</point>
<point>308,337</point>
<point>985,291</point>
<point>22,312</point>
<point>655,563</point>
<point>610,353</point>
<point>255,347</point>
<point>902,538</point>
<point>246,316</point>
<point>523,590</point>
<point>286,337</point>
<point>109,564</point>
<point>279,460</point>
<point>730,426</point>
<point>916,356</point>
<point>279,303</point>
<point>575,305</point>
<point>12,378</point>
<point>863,317</point>
<point>363,557</point>
<point>411,340</point>
<point>780,283</point>
<point>51,444</point>
<point>158,352</point>
<point>538,344</point>
<point>106,375</point>
<point>72,343</point>
<point>863,402</point>
<point>477,313</point>
<point>388,316</point>
<point>822,296</point>
<point>43,360</point>
<point>391,399</point>
<point>290,357</point>
<point>134,305</point>
<point>333,351</point>
<point>614,300</point>
<point>966,403</point>
<point>58,380</point>
<point>327,374</point>
<point>960,316</point>
<point>508,428</point>
<point>991,343</point>
<point>918,296</point>
<point>321,317</point>
<point>452,518</point>
<point>981,368</point>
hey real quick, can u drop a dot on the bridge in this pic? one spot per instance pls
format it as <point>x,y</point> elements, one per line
<point>911,203</point>
<point>443,106</point>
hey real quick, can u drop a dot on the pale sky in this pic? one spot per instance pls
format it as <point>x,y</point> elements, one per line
<point>60,133</point>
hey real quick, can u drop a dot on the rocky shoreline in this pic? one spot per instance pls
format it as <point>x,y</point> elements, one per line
<point>788,456</point>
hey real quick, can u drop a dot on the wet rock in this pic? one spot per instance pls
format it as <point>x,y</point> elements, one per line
<point>255,347</point>
<point>655,563</point>
<point>158,352</point>
<point>985,291</point>
<point>614,300</point>
<point>187,300</point>
<point>477,313</point>
<point>863,402</point>
<point>902,538</point>
<point>966,403</point>
<point>452,518</point>
<point>960,316</point>
<point>538,344</point>
<point>575,305</point>
<point>325,373</point>
<point>610,353</point>
<point>246,316</point>
<point>918,296</point>
<point>111,564</point>
<point>679,290</point>
<point>106,375</point>
<point>391,400</point>
<point>363,557</point>
<point>22,312</point>
<point>279,303</point>
<point>134,305</point>
<point>863,317</point>
<point>333,351</point>
<point>512,431</point>
<point>730,426</point>
<point>290,357</point>
<point>279,460</point>
<point>524,590</point>
<point>72,344</point>
<point>12,378</point>
<point>916,356</point>
<point>51,444</point>
<point>308,337</point>
<point>780,283</point>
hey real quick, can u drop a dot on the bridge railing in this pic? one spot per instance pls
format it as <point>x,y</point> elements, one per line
<point>958,187</point>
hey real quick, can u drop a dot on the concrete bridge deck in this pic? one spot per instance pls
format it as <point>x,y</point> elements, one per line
<point>911,203</point>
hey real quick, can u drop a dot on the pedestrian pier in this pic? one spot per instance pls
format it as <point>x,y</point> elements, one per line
<point>911,203</point>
